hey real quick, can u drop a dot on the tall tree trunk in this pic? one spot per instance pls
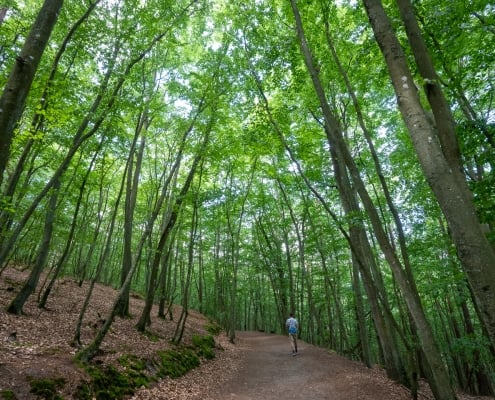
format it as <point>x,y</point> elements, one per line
<point>132,185</point>
<point>444,121</point>
<point>81,135</point>
<point>21,77</point>
<point>439,380</point>
<point>38,118</point>
<point>448,185</point>
<point>276,271</point>
<point>79,138</point>
<point>167,282</point>
<point>234,225</point>
<point>363,256</point>
<point>395,363</point>
<point>17,304</point>
<point>68,245</point>
<point>76,341</point>
<point>365,353</point>
<point>170,221</point>
<point>186,286</point>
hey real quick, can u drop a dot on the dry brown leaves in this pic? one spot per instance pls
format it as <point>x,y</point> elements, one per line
<point>37,344</point>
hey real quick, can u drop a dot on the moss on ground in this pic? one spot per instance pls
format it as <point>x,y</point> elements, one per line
<point>204,346</point>
<point>7,395</point>
<point>213,328</point>
<point>108,382</point>
<point>47,388</point>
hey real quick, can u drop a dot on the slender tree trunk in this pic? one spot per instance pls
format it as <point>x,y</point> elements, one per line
<point>171,219</point>
<point>81,135</point>
<point>439,381</point>
<point>271,255</point>
<point>302,263</point>
<point>363,256</point>
<point>201,277</point>
<point>167,187</point>
<point>38,118</point>
<point>132,185</point>
<point>181,323</point>
<point>76,341</point>
<point>167,282</point>
<point>448,185</point>
<point>234,229</point>
<point>21,77</point>
<point>29,287</point>
<point>79,138</point>
<point>68,245</point>
<point>365,353</point>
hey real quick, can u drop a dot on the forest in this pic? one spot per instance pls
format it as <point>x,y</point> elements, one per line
<point>331,158</point>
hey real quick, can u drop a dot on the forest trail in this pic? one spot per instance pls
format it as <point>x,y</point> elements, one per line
<point>270,372</point>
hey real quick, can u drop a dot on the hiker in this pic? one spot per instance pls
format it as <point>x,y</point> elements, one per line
<point>292,326</point>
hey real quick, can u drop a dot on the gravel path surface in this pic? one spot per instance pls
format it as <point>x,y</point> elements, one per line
<point>270,372</point>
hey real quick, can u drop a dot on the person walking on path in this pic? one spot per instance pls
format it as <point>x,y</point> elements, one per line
<point>292,327</point>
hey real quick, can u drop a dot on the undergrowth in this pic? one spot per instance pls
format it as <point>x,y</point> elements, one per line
<point>7,395</point>
<point>109,382</point>
<point>47,388</point>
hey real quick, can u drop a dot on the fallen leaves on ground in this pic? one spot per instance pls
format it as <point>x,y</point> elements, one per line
<point>38,343</point>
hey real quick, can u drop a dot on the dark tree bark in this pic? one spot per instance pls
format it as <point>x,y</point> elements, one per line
<point>186,283</point>
<point>37,123</point>
<point>76,341</point>
<point>171,219</point>
<point>21,77</point>
<point>68,245</point>
<point>133,172</point>
<point>79,138</point>
<point>29,287</point>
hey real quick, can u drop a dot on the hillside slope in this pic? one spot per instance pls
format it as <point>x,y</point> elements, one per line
<point>36,346</point>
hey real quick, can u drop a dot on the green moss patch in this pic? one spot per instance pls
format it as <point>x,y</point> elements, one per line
<point>175,363</point>
<point>47,388</point>
<point>108,382</point>
<point>7,395</point>
<point>213,328</point>
<point>204,346</point>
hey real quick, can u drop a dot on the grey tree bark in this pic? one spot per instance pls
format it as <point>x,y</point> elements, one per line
<point>17,88</point>
<point>439,379</point>
<point>436,155</point>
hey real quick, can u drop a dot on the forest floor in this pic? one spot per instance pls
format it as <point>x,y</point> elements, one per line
<point>36,345</point>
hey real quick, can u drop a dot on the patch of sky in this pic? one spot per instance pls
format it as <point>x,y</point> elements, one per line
<point>352,3</point>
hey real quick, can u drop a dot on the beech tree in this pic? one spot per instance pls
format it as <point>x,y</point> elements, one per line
<point>253,159</point>
<point>436,145</point>
<point>21,77</point>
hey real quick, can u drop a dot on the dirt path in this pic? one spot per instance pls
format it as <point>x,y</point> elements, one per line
<point>270,372</point>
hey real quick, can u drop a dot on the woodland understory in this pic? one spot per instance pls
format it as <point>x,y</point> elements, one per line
<point>38,359</point>
<point>330,158</point>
